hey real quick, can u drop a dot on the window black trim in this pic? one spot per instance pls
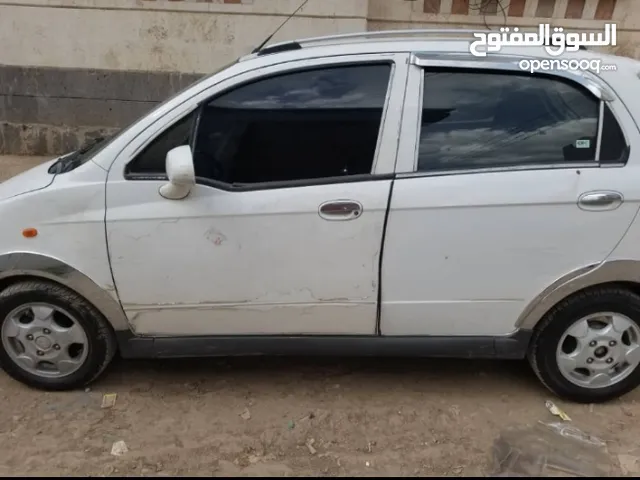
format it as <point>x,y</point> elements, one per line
<point>273,185</point>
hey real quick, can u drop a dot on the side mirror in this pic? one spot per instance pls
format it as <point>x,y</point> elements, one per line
<point>182,177</point>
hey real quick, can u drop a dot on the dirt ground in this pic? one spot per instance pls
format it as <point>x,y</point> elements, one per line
<point>285,417</point>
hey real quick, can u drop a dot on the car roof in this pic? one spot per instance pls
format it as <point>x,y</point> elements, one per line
<point>444,41</point>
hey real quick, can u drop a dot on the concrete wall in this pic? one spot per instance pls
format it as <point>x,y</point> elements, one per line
<point>74,69</point>
<point>573,15</point>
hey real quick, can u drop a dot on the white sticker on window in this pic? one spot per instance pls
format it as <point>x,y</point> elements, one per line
<point>583,143</point>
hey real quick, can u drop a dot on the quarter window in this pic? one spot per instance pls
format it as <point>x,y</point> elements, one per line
<point>481,120</point>
<point>151,161</point>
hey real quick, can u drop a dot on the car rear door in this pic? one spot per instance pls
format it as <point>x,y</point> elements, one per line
<point>510,182</point>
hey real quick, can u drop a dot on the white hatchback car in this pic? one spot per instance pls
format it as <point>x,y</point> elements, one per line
<point>367,194</point>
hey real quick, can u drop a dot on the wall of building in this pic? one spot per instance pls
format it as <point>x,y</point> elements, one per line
<point>74,69</point>
<point>573,15</point>
<point>71,70</point>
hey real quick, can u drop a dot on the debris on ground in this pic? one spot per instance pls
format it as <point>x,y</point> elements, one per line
<point>109,400</point>
<point>291,425</point>
<point>309,444</point>
<point>629,464</point>
<point>546,450</point>
<point>246,414</point>
<point>555,410</point>
<point>119,448</point>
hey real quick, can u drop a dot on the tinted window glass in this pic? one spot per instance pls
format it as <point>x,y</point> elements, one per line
<point>614,145</point>
<point>152,159</point>
<point>304,125</point>
<point>478,120</point>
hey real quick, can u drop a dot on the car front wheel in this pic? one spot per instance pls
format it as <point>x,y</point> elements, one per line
<point>52,338</point>
<point>587,348</point>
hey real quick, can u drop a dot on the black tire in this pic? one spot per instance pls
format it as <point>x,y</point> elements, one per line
<point>542,352</point>
<point>101,339</point>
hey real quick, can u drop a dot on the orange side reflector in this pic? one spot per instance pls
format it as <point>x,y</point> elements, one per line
<point>29,233</point>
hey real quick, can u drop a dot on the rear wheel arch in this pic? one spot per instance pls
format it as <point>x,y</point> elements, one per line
<point>619,273</point>
<point>632,287</point>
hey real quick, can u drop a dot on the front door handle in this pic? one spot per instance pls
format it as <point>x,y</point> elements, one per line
<point>604,200</point>
<point>340,210</point>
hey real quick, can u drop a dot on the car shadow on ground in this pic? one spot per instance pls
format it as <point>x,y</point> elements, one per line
<point>370,373</point>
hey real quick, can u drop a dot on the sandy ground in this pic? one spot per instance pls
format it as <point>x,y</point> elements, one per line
<point>256,416</point>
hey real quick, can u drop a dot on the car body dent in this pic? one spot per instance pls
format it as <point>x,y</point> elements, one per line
<point>26,264</point>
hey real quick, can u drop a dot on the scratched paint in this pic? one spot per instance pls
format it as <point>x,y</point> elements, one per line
<point>252,262</point>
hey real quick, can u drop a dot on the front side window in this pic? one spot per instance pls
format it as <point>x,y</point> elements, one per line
<point>304,125</point>
<point>476,120</point>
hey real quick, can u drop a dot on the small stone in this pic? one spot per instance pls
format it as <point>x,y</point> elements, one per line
<point>629,464</point>
<point>109,400</point>
<point>246,414</point>
<point>119,448</point>
<point>367,464</point>
<point>309,444</point>
<point>87,390</point>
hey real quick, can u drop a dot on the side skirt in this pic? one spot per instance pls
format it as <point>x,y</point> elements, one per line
<point>504,347</point>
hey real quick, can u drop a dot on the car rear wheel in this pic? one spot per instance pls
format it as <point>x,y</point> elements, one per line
<point>52,338</point>
<point>587,348</point>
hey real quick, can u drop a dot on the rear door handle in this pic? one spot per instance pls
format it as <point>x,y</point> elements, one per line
<point>604,200</point>
<point>340,210</point>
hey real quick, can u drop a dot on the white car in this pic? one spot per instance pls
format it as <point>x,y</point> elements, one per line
<point>368,194</point>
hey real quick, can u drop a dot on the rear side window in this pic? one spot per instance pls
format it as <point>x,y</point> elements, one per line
<point>476,120</point>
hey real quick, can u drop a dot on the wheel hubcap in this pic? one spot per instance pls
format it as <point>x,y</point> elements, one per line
<point>44,340</point>
<point>599,350</point>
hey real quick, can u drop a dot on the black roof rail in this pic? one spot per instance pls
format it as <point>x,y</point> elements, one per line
<point>281,47</point>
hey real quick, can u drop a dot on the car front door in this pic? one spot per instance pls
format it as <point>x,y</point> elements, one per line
<point>282,232</point>
<point>510,182</point>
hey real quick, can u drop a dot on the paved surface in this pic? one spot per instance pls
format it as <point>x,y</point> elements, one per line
<point>257,416</point>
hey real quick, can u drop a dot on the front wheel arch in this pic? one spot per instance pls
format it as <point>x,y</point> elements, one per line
<point>18,266</point>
